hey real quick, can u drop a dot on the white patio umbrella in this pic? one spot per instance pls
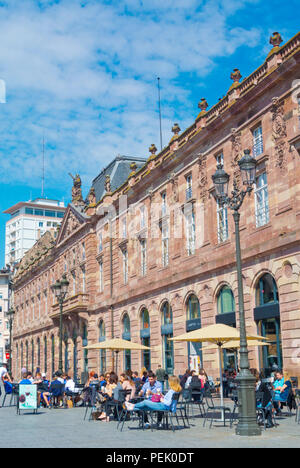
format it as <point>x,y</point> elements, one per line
<point>219,335</point>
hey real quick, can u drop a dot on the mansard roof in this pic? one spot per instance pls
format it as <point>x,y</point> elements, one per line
<point>118,170</point>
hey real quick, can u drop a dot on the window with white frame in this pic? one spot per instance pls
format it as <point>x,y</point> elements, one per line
<point>124,228</point>
<point>190,232</point>
<point>143,217</point>
<point>125,265</point>
<point>258,146</point>
<point>189,188</point>
<point>261,200</point>
<point>83,280</point>
<point>220,159</point>
<point>165,244</point>
<point>143,245</point>
<point>164,203</point>
<point>101,284</point>
<point>222,216</point>
<point>100,237</point>
<point>74,283</point>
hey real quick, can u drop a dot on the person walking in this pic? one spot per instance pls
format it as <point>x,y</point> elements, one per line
<point>160,375</point>
<point>3,372</point>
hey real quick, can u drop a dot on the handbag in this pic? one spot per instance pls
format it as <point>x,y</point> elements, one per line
<point>156,398</point>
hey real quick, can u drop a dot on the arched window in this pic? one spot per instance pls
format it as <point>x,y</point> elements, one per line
<point>66,352</point>
<point>32,356</point>
<point>52,354</point>
<point>126,336</point>
<point>145,338</point>
<point>167,333</point>
<point>194,323</point>
<point>193,307</point>
<point>45,355</point>
<point>267,316</point>
<point>27,356</point>
<point>85,351</point>
<point>102,337</point>
<point>266,291</point>
<point>226,303</point>
<point>39,354</point>
<point>167,314</point>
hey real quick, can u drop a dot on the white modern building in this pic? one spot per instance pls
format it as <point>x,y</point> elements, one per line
<point>28,222</point>
<point>4,327</point>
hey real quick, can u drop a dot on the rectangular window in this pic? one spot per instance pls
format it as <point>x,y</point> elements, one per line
<point>83,251</point>
<point>74,283</point>
<point>124,228</point>
<point>125,265</point>
<point>165,245</point>
<point>39,212</point>
<point>190,232</point>
<point>101,284</point>
<point>100,242</point>
<point>29,211</point>
<point>83,280</point>
<point>143,217</point>
<point>143,257</point>
<point>60,214</point>
<point>220,159</point>
<point>41,224</point>
<point>222,215</point>
<point>258,146</point>
<point>164,203</point>
<point>189,189</point>
<point>51,214</point>
<point>261,200</point>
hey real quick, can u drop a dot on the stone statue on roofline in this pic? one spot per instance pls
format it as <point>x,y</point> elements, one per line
<point>76,190</point>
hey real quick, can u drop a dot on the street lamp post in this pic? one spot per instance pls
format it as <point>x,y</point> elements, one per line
<point>60,289</point>
<point>247,424</point>
<point>10,315</point>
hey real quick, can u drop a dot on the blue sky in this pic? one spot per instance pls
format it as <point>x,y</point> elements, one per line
<point>84,74</point>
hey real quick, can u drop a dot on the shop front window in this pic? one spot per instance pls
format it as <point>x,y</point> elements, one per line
<point>102,351</point>
<point>167,333</point>
<point>127,336</point>
<point>145,338</point>
<point>267,291</point>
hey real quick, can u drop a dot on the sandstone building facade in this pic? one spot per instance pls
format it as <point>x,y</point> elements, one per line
<point>155,256</point>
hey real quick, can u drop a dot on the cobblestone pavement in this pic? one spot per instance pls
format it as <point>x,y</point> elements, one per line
<point>66,428</point>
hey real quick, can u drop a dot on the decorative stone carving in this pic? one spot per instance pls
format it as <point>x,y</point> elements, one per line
<point>236,154</point>
<point>202,180</point>
<point>276,39</point>
<point>92,197</point>
<point>203,105</point>
<point>152,150</point>
<point>175,193</point>
<point>279,132</point>
<point>176,129</point>
<point>76,190</point>
<point>107,184</point>
<point>72,224</point>
<point>236,75</point>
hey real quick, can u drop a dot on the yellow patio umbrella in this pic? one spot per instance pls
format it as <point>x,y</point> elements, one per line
<point>219,335</point>
<point>117,345</point>
<point>236,344</point>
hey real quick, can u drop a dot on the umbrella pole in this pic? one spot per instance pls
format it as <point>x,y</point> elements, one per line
<point>221,382</point>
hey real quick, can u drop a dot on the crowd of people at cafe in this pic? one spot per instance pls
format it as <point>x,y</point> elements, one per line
<point>144,390</point>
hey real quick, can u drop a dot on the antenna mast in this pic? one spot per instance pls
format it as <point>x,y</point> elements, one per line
<point>43,167</point>
<point>159,107</point>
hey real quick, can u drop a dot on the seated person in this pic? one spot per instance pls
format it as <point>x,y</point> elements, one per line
<point>102,380</point>
<point>128,384</point>
<point>112,389</point>
<point>282,389</point>
<point>166,402</point>
<point>26,379</point>
<point>8,385</point>
<point>56,389</point>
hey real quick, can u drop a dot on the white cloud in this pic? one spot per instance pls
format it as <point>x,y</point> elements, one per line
<point>86,75</point>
